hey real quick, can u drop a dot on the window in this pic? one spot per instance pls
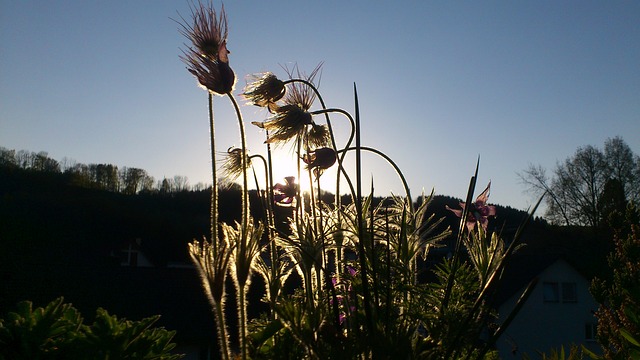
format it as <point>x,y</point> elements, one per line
<point>569,293</point>
<point>551,292</point>
<point>590,331</point>
<point>554,292</point>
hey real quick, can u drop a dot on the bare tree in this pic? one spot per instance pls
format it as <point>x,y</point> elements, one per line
<point>623,166</point>
<point>578,184</point>
<point>180,183</point>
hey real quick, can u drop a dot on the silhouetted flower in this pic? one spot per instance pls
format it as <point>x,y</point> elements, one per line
<point>285,194</point>
<point>289,121</point>
<point>320,159</point>
<point>299,93</point>
<point>316,136</point>
<point>479,211</point>
<point>208,58</point>
<point>265,90</point>
<point>232,164</point>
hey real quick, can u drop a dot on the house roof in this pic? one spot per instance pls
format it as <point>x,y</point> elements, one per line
<point>520,270</point>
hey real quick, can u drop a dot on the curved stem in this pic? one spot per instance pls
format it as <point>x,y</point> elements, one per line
<point>393,164</point>
<point>245,223</point>
<point>326,112</point>
<point>333,139</point>
<point>243,163</point>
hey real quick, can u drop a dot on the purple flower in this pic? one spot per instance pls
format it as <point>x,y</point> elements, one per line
<point>352,271</point>
<point>479,211</point>
<point>208,58</point>
<point>285,194</point>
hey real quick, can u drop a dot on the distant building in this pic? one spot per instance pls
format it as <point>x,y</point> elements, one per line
<point>559,311</point>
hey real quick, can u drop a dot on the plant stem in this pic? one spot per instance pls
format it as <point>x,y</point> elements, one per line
<point>214,176</point>
<point>245,186</point>
<point>392,163</point>
<point>244,227</point>
<point>223,339</point>
<point>242,307</point>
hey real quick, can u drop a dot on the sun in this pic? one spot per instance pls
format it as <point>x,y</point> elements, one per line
<point>285,164</point>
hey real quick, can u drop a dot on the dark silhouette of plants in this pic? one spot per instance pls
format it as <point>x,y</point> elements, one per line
<point>356,261</point>
<point>57,331</point>
<point>618,330</point>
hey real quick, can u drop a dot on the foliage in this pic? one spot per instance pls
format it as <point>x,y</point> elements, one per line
<point>588,187</point>
<point>574,353</point>
<point>57,331</point>
<point>619,312</point>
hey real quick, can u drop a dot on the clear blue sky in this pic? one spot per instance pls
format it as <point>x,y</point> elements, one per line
<point>440,83</point>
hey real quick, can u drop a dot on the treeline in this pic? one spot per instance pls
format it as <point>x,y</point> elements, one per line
<point>126,180</point>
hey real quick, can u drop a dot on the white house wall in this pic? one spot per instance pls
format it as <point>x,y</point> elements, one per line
<point>542,326</point>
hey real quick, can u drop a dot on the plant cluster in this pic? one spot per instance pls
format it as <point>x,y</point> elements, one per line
<point>356,260</point>
<point>619,297</point>
<point>57,331</point>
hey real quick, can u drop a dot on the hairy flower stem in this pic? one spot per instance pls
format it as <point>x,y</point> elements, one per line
<point>244,227</point>
<point>223,339</point>
<point>316,224</point>
<point>214,176</point>
<point>245,181</point>
<point>242,314</point>
<point>273,249</point>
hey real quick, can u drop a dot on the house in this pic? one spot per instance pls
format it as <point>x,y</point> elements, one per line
<point>558,312</point>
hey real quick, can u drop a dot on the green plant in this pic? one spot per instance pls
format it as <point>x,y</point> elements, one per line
<point>57,331</point>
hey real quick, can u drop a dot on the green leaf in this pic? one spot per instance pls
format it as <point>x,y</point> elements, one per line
<point>629,337</point>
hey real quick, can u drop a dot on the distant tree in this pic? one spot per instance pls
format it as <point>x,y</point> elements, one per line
<point>200,186</point>
<point>132,180</point>
<point>624,167</point>
<point>165,186</point>
<point>66,164</point>
<point>24,159</point>
<point>42,162</point>
<point>7,157</point>
<point>583,187</point>
<point>180,183</point>
<point>147,183</point>
<point>80,175</point>
<point>105,176</point>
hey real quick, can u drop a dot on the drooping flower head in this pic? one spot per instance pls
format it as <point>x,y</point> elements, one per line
<point>208,57</point>
<point>479,211</point>
<point>265,90</point>
<point>289,121</point>
<point>292,118</point>
<point>232,164</point>
<point>301,94</point>
<point>316,136</point>
<point>284,194</point>
<point>320,160</point>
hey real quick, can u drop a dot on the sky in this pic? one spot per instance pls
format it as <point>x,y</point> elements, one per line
<point>439,84</point>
